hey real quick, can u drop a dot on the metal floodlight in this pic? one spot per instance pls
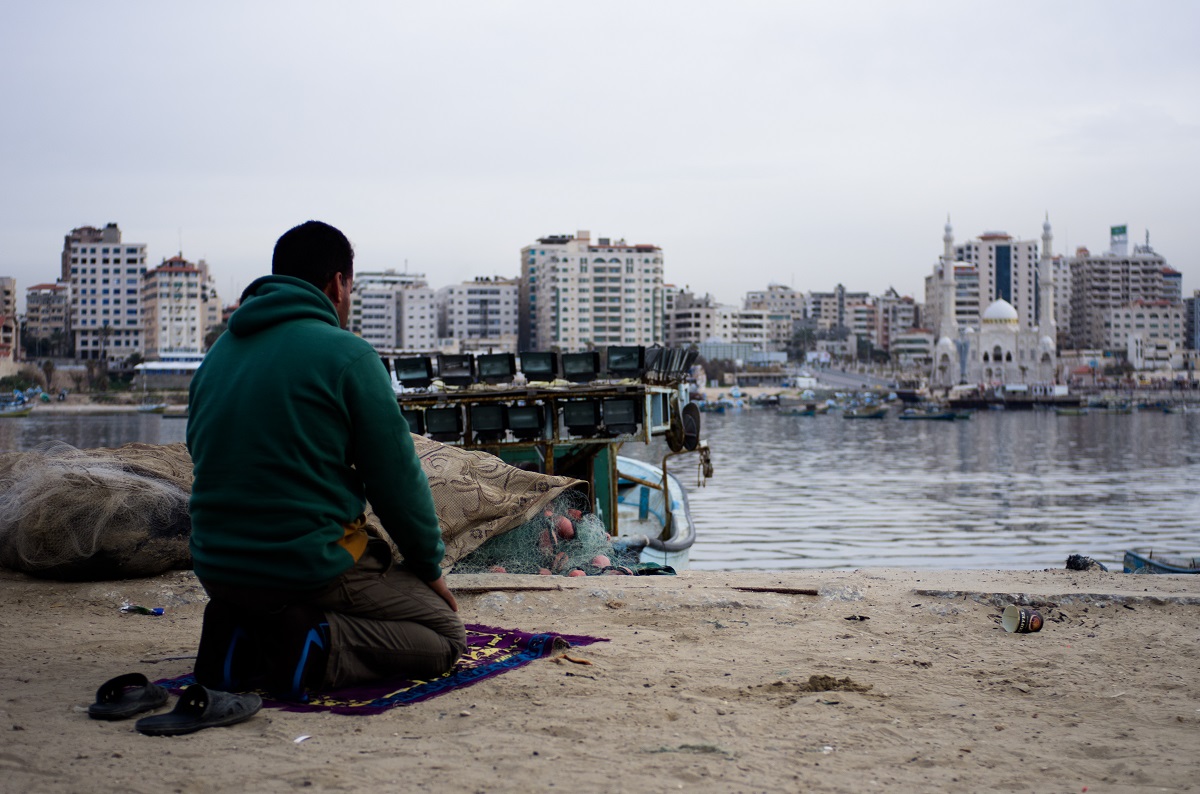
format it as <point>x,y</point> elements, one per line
<point>621,415</point>
<point>625,361</point>
<point>445,423</point>
<point>416,420</point>
<point>456,370</point>
<point>526,422</point>
<point>581,367</point>
<point>582,417</point>
<point>413,373</point>
<point>487,421</point>
<point>496,367</point>
<point>539,365</point>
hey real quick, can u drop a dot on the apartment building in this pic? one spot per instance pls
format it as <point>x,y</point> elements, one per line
<point>47,312</point>
<point>394,311</point>
<point>1111,281</point>
<point>1150,321</point>
<point>483,310</point>
<point>578,292</point>
<point>180,305</point>
<point>105,277</point>
<point>829,310</point>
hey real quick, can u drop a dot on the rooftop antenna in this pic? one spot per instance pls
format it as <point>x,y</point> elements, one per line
<point>181,242</point>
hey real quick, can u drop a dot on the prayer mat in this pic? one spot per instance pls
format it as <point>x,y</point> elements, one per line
<point>490,652</point>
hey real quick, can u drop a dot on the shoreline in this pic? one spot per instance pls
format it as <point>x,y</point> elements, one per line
<point>704,684</point>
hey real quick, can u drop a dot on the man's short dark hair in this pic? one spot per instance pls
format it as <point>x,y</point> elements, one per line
<point>314,252</point>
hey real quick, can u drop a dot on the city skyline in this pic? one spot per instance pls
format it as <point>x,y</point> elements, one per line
<point>775,143</point>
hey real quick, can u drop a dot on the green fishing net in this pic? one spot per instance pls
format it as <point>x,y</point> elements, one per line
<point>563,540</point>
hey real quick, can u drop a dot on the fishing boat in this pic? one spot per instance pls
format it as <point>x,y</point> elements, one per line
<point>807,409</point>
<point>15,409</point>
<point>152,408</point>
<point>1067,411</point>
<point>572,421</point>
<point>933,414</point>
<point>866,412</point>
<point>1136,562</point>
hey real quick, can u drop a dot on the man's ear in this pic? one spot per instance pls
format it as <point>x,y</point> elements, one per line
<point>335,288</point>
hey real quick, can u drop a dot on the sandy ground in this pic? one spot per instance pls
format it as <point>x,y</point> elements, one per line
<point>704,686</point>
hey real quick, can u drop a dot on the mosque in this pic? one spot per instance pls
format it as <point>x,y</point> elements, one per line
<point>1001,344</point>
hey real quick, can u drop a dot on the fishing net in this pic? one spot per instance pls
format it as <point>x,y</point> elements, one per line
<point>74,514</point>
<point>94,514</point>
<point>561,540</point>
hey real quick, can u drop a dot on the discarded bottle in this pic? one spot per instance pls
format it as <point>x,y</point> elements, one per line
<point>137,610</point>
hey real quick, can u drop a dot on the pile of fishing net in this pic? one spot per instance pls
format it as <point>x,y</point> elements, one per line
<point>122,513</point>
<point>562,540</point>
<point>77,515</point>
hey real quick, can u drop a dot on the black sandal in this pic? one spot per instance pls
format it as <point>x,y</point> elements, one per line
<point>125,696</point>
<point>200,707</point>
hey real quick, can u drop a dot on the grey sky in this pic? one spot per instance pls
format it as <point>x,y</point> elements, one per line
<point>756,142</point>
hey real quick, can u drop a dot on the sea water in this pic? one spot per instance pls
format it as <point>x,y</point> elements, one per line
<point>1004,489</point>
<point>1001,490</point>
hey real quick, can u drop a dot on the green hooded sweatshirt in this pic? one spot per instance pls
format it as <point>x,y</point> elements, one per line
<point>292,425</point>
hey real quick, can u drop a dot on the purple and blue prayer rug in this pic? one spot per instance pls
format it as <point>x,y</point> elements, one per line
<point>490,652</point>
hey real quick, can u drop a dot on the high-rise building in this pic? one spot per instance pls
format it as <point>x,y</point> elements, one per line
<point>693,320</point>
<point>1116,279</point>
<point>483,310</point>
<point>1007,271</point>
<point>394,311</point>
<point>830,310</point>
<point>180,305</point>
<point>10,343</point>
<point>47,309</point>
<point>1191,319</point>
<point>83,235</point>
<point>785,307</point>
<point>105,277</point>
<point>576,293</point>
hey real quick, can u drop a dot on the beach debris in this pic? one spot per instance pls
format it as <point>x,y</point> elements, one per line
<point>1078,562</point>
<point>300,739</point>
<point>134,609</point>
<point>695,749</point>
<point>857,617</point>
<point>1018,620</point>
<point>562,657</point>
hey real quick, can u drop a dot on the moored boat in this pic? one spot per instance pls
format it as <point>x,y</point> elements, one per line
<point>16,409</point>
<point>866,412</point>
<point>1136,562</point>
<point>652,518</point>
<point>933,414</point>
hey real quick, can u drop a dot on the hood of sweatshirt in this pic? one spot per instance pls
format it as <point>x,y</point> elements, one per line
<point>272,300</point>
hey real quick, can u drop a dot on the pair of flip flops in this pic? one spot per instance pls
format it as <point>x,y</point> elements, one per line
<point>199,707</point>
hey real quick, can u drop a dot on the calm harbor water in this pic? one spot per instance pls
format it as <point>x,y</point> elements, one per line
<point>1002,490</point>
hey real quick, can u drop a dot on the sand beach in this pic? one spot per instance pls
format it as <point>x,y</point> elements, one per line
<point>814,681</point>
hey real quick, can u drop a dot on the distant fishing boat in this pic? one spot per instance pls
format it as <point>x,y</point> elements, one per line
<point>866,412</point>
<point>16,409</point>
<point>152,408</point>
<point>933,414</point>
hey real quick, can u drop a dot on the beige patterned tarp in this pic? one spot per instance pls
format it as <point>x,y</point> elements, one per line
<point>121,513</point>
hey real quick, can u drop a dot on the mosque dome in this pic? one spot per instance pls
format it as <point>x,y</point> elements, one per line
<point>945,343</point>
<point>1000,311</point>
<point>1047,344</point>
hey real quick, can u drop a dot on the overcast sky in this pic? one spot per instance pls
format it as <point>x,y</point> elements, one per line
<point>801,143</point>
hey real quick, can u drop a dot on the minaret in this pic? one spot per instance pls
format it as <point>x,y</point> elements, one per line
<point>949,288</point>
<point>1046,324</point>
